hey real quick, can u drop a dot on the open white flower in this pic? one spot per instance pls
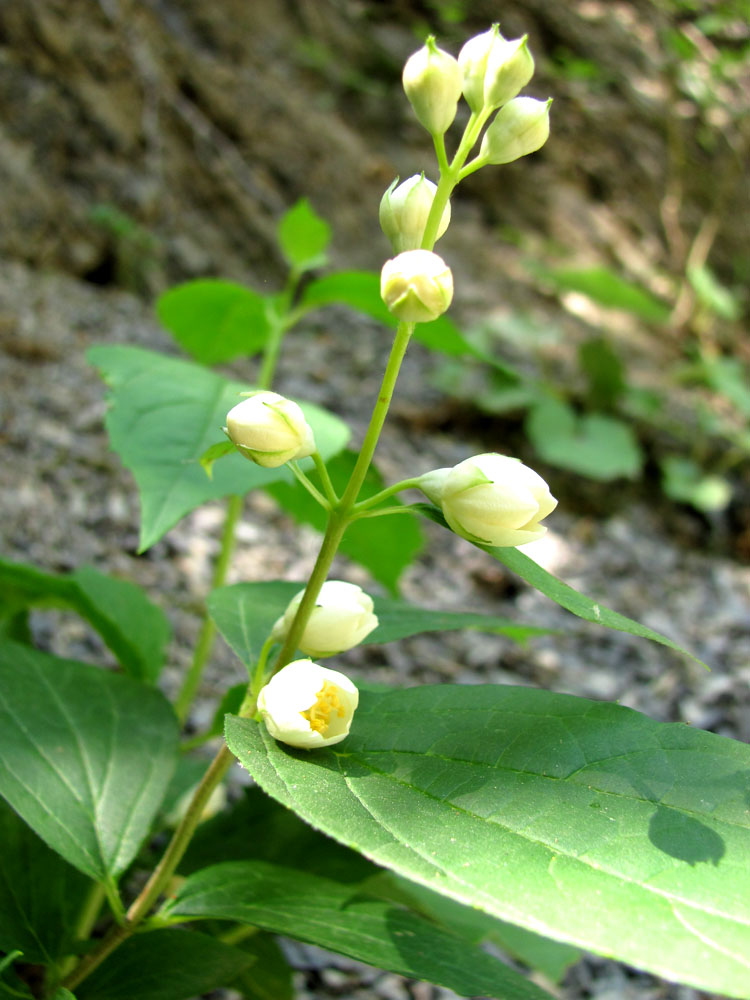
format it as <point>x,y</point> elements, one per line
<point>493,499</point>
<point>270,429</point>
<point>340,620</point>
<point>308,706</point>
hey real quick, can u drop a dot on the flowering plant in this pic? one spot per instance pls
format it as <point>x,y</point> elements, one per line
<point>402,827</point>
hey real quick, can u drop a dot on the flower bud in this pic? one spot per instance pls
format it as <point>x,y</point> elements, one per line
<point>269,429</point>
<point>404,211</point>
<point>308,706</point>
<point>492,499</point>
<point>432,82</point>
<point>494,69</point>
<point>340,620</point>
<point>417,286</point>
<point>521,127</point>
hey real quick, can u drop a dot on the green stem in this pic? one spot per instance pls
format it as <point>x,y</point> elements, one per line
<point>160,876</point>
<point>325,479</point>
<point>305,482</point>
<point>341,514</point>
<point>382,511</point>
<point>207,633</point>
<point>376,498</point>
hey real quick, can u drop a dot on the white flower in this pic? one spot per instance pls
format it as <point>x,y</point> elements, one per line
<point>308,706</point>
<point>494,69</point>
<point>432,82</point>
<point>521,127</point>
<point>340,620</point>
<point>404,211</point>
<point>269,429</point>
<point>417,286</point>
<point>492,499</point>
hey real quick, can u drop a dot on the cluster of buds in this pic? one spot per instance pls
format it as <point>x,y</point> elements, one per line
<point>490,72</point>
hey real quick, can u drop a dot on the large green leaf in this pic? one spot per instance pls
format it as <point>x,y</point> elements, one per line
<point>40,894</point>
<point>85,756</point>
<point>562,594</point>
<point>341,917</point>
<point>136,630</point>
<point>360,290</point>
<point>166,964</point>
<point>585,822</point>
<point>385,545</point>
<point>164,414</point>
<point>215,320</point>
<point>246,612</point>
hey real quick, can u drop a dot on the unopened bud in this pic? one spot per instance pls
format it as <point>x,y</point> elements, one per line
<point>432,82</point>
<point>417,286</point>
<point>270,429</point>
<point>341,619</point>
<point>491,499</point>
<point>404,211</point>
<point>521,127</point>
<point>494,69</point>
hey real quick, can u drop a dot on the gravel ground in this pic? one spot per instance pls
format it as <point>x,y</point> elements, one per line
<point>66,501</point>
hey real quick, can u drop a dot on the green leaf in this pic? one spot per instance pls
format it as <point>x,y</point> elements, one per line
<point>164,413</point>
<point>607,288</point>
<point>552,958</point>
<point>385,545</point>
<point>85,756</point>
<point>683,480</point>
<point>286,840</point>
<point>136,630</point>
<point>585,822</point>
<point>213,454</point>
<point>215,320</point>
<point>165,964</point>
<point>270,977</point>
<point>40,895</point>
<point>562,594</point>
<point>246,612</point>
<point>604,370</point>
<point>304,237</point>
<point>712,294</point>
<point>63,994</point>
<point>592,445</point>
<point>360,290</point>
<point>340,917</point>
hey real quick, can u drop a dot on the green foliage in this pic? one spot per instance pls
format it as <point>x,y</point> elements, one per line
<point>40,895</point>
<point>245,614</point>
<point>164,413</point>
<point>136,630</point>
<point>98,751</point>
<point>385,546</point>
<point>303,237</point>
<point>593,445</point>
<point>685,481</point>
<point>215,320</point>
<point>537,821</point>
<point>165,964</point>
<point>606,288</point>
<point>341,917</point>
<point>559,592</point>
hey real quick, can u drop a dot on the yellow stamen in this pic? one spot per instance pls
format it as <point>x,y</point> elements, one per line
<point>319,714</point>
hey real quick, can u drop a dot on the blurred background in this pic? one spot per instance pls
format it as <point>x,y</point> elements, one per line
<point>146,143</point>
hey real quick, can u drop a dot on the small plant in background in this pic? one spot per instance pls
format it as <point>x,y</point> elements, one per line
<point>402,827</point>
